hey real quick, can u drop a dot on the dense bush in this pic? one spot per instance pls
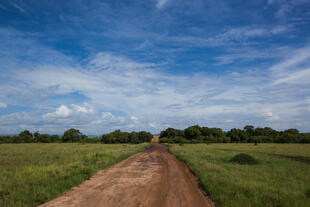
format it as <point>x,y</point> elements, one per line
<point>244,159</point>
<point>192,134</point>
<point>73,135</point>
<point>124,137</point>
<point>177,139</point>
<point>249,134</point>
<point>170,132</point>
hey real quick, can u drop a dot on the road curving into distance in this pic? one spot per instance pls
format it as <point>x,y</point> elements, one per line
<point>153,178</point>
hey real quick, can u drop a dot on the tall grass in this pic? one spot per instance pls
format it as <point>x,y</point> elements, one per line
<point>278,180</point>
<point>31,174</point>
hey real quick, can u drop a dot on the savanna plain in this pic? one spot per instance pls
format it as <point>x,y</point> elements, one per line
<point>279,178</point>
<point>31,174</point>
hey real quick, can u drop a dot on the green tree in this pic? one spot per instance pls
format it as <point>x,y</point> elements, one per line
<point>145,136</point>
<point>24,137</point>
<point>44,138</point>
<point>237,135</point>
<point>73,135</point>
<point>36,136</point>
<point>133,138</point>
<point>171,132</point>
<point>192,132</point>
<point>249,129</point>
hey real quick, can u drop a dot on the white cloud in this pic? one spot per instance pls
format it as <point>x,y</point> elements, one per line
<point>296,57</point>
<point>237,36</point>
<point>142,97</point>
<point>3,105</point>
<point>62,111</point>
<point>300,77</point>
<point>161,3</point>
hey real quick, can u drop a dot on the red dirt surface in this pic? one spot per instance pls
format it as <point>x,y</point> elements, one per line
<point>153,178</point>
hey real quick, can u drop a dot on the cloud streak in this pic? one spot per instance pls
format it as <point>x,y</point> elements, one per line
<point>143,93</point>
<point>161,3</point>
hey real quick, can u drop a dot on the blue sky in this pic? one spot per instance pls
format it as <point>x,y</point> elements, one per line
<point>148,65</point>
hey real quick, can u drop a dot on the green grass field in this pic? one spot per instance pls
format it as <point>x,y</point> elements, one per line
<point>282,177</point>
<point>31,174</point>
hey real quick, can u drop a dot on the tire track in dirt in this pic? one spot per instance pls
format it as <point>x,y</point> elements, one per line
<point>153,178</point>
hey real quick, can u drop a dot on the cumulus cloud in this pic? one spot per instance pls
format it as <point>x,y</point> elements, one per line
<point>62,111</point>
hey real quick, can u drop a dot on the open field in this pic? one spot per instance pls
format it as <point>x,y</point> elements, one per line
<point>280,179</point>
<point>31,174</point>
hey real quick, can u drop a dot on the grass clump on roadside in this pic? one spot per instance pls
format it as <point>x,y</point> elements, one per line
<point>244,159</point>
<point>31,174</point>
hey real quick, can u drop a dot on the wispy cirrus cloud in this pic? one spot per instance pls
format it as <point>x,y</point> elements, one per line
<point>161,3</point>
<point>143,93</point>
<point>147,65</point>
<point>18,7</point>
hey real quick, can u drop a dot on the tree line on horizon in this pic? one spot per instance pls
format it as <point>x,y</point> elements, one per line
<point>74,135</point>
<point>192,134</point>
<point>249,134</point>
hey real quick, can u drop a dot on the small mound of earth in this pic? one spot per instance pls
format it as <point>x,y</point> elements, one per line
<point>244,159</point>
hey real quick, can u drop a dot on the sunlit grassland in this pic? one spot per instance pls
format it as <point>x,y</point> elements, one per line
<point>281,178</point>
<point>31,174</point>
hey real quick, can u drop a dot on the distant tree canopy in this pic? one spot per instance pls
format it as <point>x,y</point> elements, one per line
<point>192,134</point>
<point>124,137</point>
<point>73,135</point>
<point>198,134</point>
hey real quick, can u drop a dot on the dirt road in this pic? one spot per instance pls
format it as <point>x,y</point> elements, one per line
<point>153,178</point>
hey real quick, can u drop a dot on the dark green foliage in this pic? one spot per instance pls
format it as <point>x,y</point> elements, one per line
<point>249,134</point>
<point>249,129</point>
<point>192,132</point>
<point>44,138</point>
<point>215,132</point>
<point>305,138</point>
<point>238,135</point>
<point>133,138</point>
<point>308,193</point>
<point>144,136</point>
<point>244,159</point>
<point>23,137</point>
<point>177,139</point>
<point>6,139</point>
<point>124,137</point>
<point>73,135</point>
<point>170,132</point>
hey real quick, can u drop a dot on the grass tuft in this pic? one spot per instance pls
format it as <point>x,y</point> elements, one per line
<point>244,159</point>
<point>308,193</point>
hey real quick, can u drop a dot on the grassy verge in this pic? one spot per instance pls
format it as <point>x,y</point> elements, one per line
<point>31,174</point>
<point>277,180</point>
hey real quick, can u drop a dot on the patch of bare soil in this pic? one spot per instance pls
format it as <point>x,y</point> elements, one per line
<point>155,139</point>
<point>153,178</point>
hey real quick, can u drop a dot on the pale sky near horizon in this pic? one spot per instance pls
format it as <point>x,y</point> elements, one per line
<point>148,65</point>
